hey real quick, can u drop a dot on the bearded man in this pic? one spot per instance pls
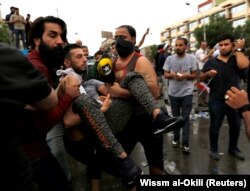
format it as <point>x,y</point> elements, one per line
<point>47,37</point>
<point>180,69</point>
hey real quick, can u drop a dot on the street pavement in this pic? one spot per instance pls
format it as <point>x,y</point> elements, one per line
<point>197,162</point>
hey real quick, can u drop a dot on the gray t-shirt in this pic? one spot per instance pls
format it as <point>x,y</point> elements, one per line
<point>185,64</point>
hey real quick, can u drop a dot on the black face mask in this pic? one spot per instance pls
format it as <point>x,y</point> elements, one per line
<point>52,57</point>
<point>124,47</point>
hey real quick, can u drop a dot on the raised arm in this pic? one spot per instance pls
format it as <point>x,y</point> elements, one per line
<point>242,60</point>
<point>143,38</point>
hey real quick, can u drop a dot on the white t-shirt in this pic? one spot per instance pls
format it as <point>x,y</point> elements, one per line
<point>200,55</point>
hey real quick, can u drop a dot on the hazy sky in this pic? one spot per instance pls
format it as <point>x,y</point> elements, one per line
<point>87,18</point>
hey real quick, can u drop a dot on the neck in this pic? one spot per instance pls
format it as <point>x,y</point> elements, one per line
<point>224,57</point>
<point>181,55</point>
<point>128,57</point>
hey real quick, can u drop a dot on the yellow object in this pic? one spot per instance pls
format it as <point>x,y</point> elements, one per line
<point>104,66</point>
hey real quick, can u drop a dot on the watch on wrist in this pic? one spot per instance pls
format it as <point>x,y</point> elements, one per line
<point>239,50</point>
<point>243,109</point>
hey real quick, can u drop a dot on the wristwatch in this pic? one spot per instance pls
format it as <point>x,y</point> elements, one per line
<point>238,50</point>
<point>243,109</point>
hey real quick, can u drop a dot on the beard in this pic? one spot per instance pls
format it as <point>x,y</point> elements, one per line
<point>52,57</point>
<point>180,53</point>
<point>225,53</point>
<point>79,71</point>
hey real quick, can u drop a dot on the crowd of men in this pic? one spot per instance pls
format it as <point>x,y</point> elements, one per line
<point>59,100</point>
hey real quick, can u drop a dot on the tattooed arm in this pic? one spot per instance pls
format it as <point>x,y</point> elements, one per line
<point>146,69</point>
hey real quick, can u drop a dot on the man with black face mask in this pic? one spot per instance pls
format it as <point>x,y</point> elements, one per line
<point>224,71</point>
<point>47,37</point>
<point>144,126</point>
<point>123,47</point>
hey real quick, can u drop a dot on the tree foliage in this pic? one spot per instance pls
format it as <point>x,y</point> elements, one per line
<point>4,33</point>
<point>217,25</point>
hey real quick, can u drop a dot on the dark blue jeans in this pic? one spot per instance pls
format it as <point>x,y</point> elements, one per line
<point>182,106</point>
<point>218,110</point>
<point>23,37</point>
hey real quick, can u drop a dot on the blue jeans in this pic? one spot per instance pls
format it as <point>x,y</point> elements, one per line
<point>218,110</point>
<point>182,106</point>
<point>23,38</point>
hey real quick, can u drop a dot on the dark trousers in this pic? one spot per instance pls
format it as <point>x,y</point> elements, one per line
<point>182,106</point>
<point>141,130</point>
<point>218,110</point>
<point>49,175</point>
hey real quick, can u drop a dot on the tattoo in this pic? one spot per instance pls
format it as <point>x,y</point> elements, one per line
<point>147,78</point>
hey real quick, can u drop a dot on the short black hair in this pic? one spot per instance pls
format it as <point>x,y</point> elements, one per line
<point>160,46</point>
<point>183,39</point>
<point>70,47</point>
<point>99,52</point>
<point>225,37</point>
<point>131,30</point>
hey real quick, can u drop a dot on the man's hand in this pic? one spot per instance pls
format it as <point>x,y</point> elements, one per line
<point>236,98</point>
<point>70,85</point>
<point>114,90</point>
<point>147,31</point>
<point>180,76</point>
<point>240,43</point>
<point>106,102</point>
<point>212,73</point>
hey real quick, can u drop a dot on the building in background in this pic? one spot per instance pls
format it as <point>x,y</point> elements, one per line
<point>236,11</point>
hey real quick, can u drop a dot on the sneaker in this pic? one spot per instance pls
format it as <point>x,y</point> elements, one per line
<point>165,123</point>
<point>214,155</point>
<point>237,153</point>
<point>129,170</point>
<point>175,144</point>
<point>185,148</point>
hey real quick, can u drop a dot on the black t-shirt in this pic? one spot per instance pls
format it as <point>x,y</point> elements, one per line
<point>20,84</point>
<point>228,75</point>
<point>10,25</point>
